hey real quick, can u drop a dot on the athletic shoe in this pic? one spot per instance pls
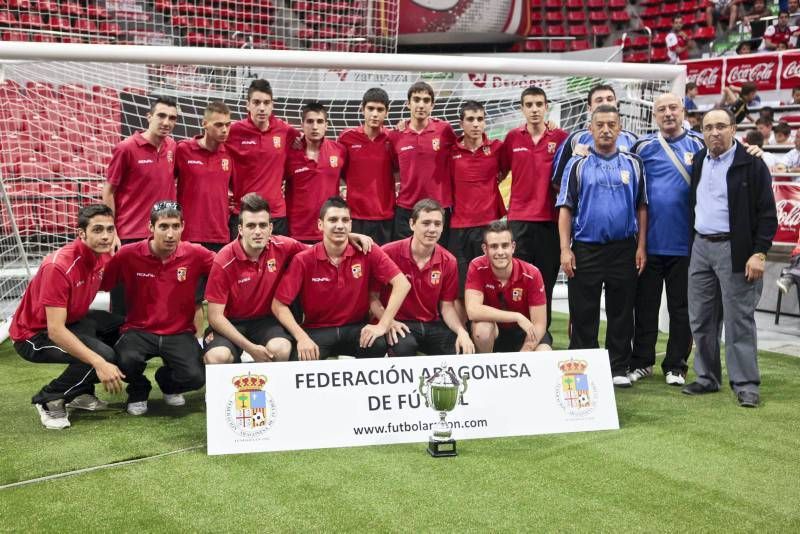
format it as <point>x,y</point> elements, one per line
<point>87,402</point>
<point>137,408</point>
<point>622,382</point>
<point>53,414</point>
<point>174,399</point>
<point>784,283</point>
<point>642,372</point>
<point>675,378</point>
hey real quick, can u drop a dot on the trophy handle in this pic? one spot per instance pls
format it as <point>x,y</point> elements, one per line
<point>464,383</point>
<point>423,389</point>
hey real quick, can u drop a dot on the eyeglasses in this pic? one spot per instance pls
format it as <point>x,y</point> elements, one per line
<point>719,126</point>
<point>166,205</point>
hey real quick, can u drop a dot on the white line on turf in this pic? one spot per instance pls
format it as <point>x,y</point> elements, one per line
<point>96,468</point>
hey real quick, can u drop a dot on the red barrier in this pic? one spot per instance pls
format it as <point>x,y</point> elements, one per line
<point>787,202</point>
<point>771,72</point>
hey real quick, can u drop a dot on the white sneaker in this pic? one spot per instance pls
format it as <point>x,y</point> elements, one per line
<point>53,414</point>
<point>622,382</point>
<point>174,399</point>
<point>87,402</point>
<point>643,372</point>
<point>675,378</point>
<point>137,408</point>
<point>784,283</point>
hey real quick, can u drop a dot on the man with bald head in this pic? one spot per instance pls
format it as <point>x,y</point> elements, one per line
<point>732,215</point>
<point>667,156</point>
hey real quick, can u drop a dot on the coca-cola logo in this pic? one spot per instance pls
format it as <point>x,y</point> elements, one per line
<point>759,72</point>
<point>788,213</point>
<point>707,77</point>
<point>792,70</point>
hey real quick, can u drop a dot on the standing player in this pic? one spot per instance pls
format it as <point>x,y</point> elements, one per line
<point>433,273</point>
<point>476,195</point>
<point>505,297</point>
<point>369,171</point>
<point>160,277</point>
<point>313,174</point>
<point>332,279</point>
<point>258,145</point>
<point>141,172</point>
<point>529,151</point>
<point>423,148</point>
<point>53,323</point>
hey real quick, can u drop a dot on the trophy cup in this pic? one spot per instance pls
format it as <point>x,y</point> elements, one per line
<point>442,391</point>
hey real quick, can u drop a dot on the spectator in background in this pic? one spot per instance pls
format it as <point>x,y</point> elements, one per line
<point>737,100</point>
<point>753,19</point>
<point>791,160</point>
<point>764,127</point>
<point>744,48</point>
<point>677,41</point>
<point>795,101</point>
<point>780,33</point>
<point>783,134</point>
<point>723,10</point>
<point>791,274</point>
<point>755,137</point>
<point>766,112</point>
<point>794,11</point>
<point>695,120</point>
<point>691,93</point>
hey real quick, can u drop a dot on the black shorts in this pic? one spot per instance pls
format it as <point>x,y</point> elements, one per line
<point>509,340</point>
<point>465,244</point>
<point>200,292</point>
<point>258,331</point>
<point>337,340</point>
<point>433,338</point>
<point>379,231</point>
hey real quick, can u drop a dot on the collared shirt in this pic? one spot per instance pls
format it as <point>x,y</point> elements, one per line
<point>476,196</point>
<point>688,104</point>
<point>141,175</point>
<point>673,42</point>
<point>259,159</point>
<point>159,293</point>
<point>246,287</point>
<point>369,174</point>
<point>68,278</point>
<point>204,178</point>
<point>435,282</point>
<point>334,295</point>
<point>711,211</point>
<point>524,289</point>
<point>625,142</point>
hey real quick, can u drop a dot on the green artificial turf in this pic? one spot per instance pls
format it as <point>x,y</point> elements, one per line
<point>678,463</point>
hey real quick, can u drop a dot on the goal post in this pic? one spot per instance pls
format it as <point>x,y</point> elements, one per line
<point>63,107</point>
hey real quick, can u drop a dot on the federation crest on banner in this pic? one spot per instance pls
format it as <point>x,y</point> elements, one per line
<point>276,141</point>
<point>435,143</point>
<point>551,147</point>
<point>356,270</point>
<point>436,277</point>
<point>516,294</point>
<point>334,161</point>
<point>272,265</point>
<point>226,164</point>
<point>576,392</point>
<point>250,411</point>
<point>182,274</point>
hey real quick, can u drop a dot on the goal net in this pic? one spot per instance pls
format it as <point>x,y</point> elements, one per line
<point>61,114</point>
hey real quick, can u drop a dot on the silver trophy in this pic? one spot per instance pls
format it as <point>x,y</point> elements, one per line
<point>442,391</point>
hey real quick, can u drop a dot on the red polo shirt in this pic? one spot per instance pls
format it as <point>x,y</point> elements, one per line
<point>477,199</point>
<point>68,278</point>
<point>532,195</point>
<point>424,161</point>
<point>159,294</point>
<point>437,281</point>
<point>244,286</point>
<point>309,184</point>
<point>204,178</point>
<point>331,295</point>
<point>369,174</point>
<point>524,289</point>
<point>259,158</point>
<point>141,175</point>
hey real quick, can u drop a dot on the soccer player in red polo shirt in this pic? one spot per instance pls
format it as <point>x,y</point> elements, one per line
<point>369,171</point>
<point>53,323</point>
<point>433,273</point>
<point>141,173</point>
<point>258,145</point>
<point>423,148</point>
<point>333,280</point>
<point>160,275</point>
<point>476,200</point>
<point>528,151</point>
<point>313,174</point>
<point>505,297</point>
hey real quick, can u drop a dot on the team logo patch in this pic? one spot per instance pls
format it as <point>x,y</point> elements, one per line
<point>272,265</point>
<point>226,164</point>
<point>436,277</point>
<point>170,156</point>
<point>623,148</point>
<point>516,294</point>
<point>334,161</point>
<point>487,150</point>
<point>626,177</point>
<point>182,274</point>
<point>209,338</point>
<point>688,157</point>
<point>356,270</point>
<point>435,143</point>
<point>551,147</point>
<point>276,141</point>
<point>575,391</point>
<point>251,410</point>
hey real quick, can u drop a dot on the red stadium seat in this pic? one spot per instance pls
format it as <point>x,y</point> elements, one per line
<point>553,17</point>
<point>578,31</point>
<point>46,6</point>
<point>617,4</point>
<point>553,4</point>
<point>704,33</point>
<point>163,6</point>
<point>576,16</point>
<point>650,12</point>
<point>659,55</point>
<point>556,31</point>
<point>19,4</point>
<point>663,23</point>
<point>35,169</point>
<point>534,46</point>
<point>7,19</point>
<point>536,31</point>
<point>598,17</point>
<point>96,12</point>
<point>580,44</point>
<point>558,46</point>
<point>620,17</point>
<point>596,4</point>
<point>72,9</point>
<point>85,26</point>
<point>601,30</point>
<point>536,17</point>
<point>640,41</point>
<point>31,20</point>
<point>575,5</point>
<point>59,24</point>
<point>659,40</point>
<point>669,9</point>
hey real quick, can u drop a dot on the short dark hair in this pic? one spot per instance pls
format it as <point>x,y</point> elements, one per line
<point>332,202</point>
<point>764,120</point>
<point>254,203</point>
<point>377,95</point>
<point>426,204</point>
<point>470,105</point>
<point>795,89</point>
<point>605,108</point>
<point>690,86</point>
<point>726,111</point>
<point>532,91</point>
<point>754,137</point>
<point>216,106</point>
<point>166,100</point>
<point>782,128</point>
<point>496,227</point>
<point>421,87</point>
<point>748,88</point>
<point>782,12</point>
<point>678,16</point>
<point>262,86</point>
<point>165,209</point>
<point>314,107</point>
<point>86,213</point>
<point>599,87</point>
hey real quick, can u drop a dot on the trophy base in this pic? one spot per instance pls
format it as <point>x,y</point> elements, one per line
<point>439,449</point>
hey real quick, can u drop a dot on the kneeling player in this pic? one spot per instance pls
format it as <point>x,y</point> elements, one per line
<point>505,297</point>
<point>433,272</point>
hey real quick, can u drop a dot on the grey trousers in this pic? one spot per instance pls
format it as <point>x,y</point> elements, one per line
<point>716,294</point>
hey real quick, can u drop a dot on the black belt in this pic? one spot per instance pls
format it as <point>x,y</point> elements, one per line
<point>715,238</point>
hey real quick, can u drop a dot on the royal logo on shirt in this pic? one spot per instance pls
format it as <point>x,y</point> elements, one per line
<point>516,294</point>
<point>356,269</point>
<point>487,150</point>
<point>435,143</point>
<point>551,147</point>
<point>436,277</point>
<point>226,164</point>
<point>334,160</point>
<point>170,156</point>
<point>276,141</point>
<point>272,265</point>
<point>623,148</point>
<point>688,157</point>
<point>626,177</point>
<point>182,274</point>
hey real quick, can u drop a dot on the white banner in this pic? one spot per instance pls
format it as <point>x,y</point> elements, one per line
<point>346,403</point>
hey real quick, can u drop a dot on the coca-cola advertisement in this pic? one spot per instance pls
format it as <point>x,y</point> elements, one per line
<point>462,21</point>
<point>761,69</point>
<point>787,202</point>
<point>707,74</point>
<point>790,70</point>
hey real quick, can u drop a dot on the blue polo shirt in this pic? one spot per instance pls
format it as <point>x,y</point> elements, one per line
<point>667,191</point>
<point>625,142</point>
<point>604,193</point>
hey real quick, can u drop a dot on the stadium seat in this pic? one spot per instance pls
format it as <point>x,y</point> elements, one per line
<point>640,41</point>
<point>31,20</point>
<point>576,17</point>
<point>704,33</point>
<point>71,9</point>
<point>580,44</point>
<point>558,46</point>
<point>556,31</point>
<point>46,6</point>
<point>536,17</point>
<point>534,46</point>
<point>615,5</point>
<point>663,23</point>
<point>669,9</point>
<point>85,26</point>
<point>659,55</point>
<point>94,11</point>
<point>553,17</point>
<point>659,40</point>
<point>578,31</point>
<point>601,30</point>
<point>536,31</point>
<point>8,18</point>
<point>596,4</point>
<point>598,16</point>
<point>620,17</point>
<point>60,24</point>
<point>553,4</point>
<point>575,5</point>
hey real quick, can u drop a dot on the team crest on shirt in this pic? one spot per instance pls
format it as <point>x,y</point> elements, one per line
<point>334,160</point>
<point>226,164</point>
<point>516,294</point>
<point>623,148</point>
<point>487,150</point>
<point>436,277</point>
<point>356,270</point>
<point>170,156</point>
<point>276,141</point>
<point>688,157</point>
<point>626,177</point>
<point>272,265</point>
<point>182,274</point>
<point>551,147</point>
<point>435,143</point>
